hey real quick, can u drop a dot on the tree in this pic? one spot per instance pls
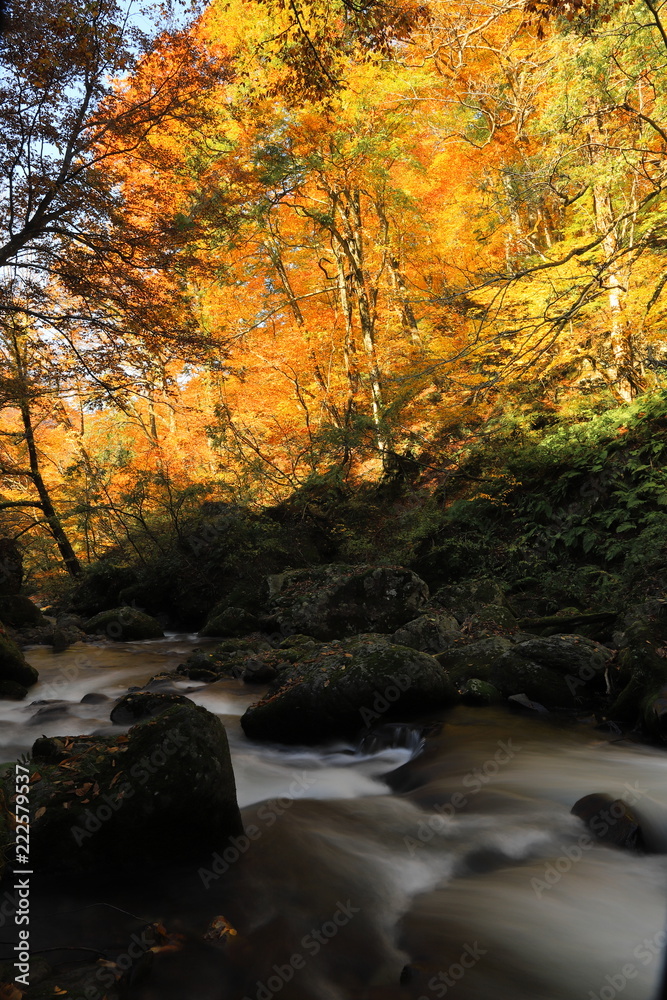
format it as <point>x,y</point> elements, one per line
<point>79,262</point>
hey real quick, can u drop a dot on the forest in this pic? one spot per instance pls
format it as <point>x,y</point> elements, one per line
<point>333,499</point>
<point>297,251</point>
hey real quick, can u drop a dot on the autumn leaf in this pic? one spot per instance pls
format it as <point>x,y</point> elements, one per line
<point>8,991</point>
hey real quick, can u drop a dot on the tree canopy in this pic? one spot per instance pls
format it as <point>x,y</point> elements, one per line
<point>296,240</point>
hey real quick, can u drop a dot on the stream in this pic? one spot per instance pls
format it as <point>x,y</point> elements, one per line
<point>446,869</point>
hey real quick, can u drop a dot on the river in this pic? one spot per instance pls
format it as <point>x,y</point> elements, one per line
<point>450,868</point>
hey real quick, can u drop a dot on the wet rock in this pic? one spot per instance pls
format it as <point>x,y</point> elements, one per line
<point>13,664</point>
<point>94,698</point>
<point>478,692</point>
<point>429,633</point>
<point>162,794</point>
<point>344,687</point>
<point>49,710</point>
<point>523,702</point>
<point>611,821</point>
<point>124,625</point>
<point>164,681</point>
<point>143,705</point>
<point>392,736</point>
<point>12,691</point>
<point>60,640</point>
<point>334,601</point>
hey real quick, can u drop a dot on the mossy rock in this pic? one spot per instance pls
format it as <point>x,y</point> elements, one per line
<point>124,625</point>
<point>513,674</point>
<point>159,795</point>
<point>343,687</point>
<point>479,692</point>
<point>138,705</point>
<point>14,669</point>
<point>335,601</point>
<point>493,618</point>
<point>474,659</point>
<point>469,597</point>
<point>428,633</point>
<point>230,621</point>
<point>251,659</point>
<point>568,654</point>
<point>19,611</point>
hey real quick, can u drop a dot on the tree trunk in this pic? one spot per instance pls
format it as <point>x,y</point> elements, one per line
<point>67,552</point>
<point>616,277</point>
<point>350,242</point>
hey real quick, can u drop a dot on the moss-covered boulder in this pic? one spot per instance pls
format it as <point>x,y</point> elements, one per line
<point>571,655</point>
<point>492,619</point>
<point>162,794</point>
<point>138,705</point>
<point>513,674</point>
<point>252,659</point>
<point>231,621</point>
<point>479,692</point>
<point>334,601</point>
<point>341,688</point>
<point>468,597</point>
<point>492,667</point>
<point>124,625</point>
<point>15,672</point>
<point>475,659</point>
<point>18,611</point>
<point>429,633</point>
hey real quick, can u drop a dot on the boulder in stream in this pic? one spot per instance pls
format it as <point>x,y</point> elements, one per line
<point>124,625</point>
<point>340,688</point>
<point>136,705</point>
<point>162,794</point>
<point>334,601</point>
<point>16,674</point>
<point>611,821</point>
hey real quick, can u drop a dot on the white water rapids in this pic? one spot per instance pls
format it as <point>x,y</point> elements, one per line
<point>460,871</point>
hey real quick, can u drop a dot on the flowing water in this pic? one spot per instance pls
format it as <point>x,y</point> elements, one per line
<point>453,869</point>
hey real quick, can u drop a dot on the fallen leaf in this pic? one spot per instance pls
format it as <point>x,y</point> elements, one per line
<point>9,992</point>
<point>40,812</point>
